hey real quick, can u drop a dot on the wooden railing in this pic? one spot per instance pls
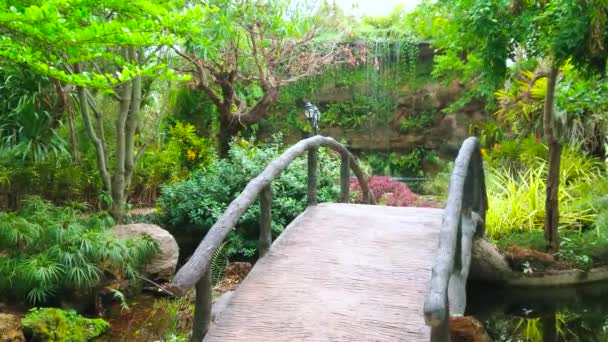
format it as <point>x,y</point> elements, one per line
<point>463,219</point>
<point>195,273</point>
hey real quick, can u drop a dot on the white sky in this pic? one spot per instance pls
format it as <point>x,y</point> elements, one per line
<point>374,7</point>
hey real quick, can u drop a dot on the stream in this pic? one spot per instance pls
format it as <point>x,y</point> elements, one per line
<point>572,314</point>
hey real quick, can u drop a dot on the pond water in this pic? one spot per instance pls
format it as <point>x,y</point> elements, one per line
<point>570,314</point>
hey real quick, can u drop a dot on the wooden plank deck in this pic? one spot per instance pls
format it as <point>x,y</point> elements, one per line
<point>339,272</point>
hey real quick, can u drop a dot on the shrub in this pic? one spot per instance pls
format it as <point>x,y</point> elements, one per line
<point>45,250</point>
<point>51,324</point>
<point>517,195</point>
<point>203,197</point>
<point>399,164</point>
<point>388,191</point>
<point>438,184</point>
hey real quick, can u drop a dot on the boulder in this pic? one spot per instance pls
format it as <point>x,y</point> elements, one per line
<point>10,328</point>
<point>468,329</point>
<point>162,266</point>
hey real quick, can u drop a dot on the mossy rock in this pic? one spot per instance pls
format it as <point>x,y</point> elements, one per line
<point>51,324</point>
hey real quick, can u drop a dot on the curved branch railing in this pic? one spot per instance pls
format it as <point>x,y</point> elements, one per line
<point>463,218</point>
<point>196,271</point>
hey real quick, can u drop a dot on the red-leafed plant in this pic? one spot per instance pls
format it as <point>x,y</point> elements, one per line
<point>390,192</point>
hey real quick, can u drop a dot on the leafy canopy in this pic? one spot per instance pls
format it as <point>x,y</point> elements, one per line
<point>51,37</point>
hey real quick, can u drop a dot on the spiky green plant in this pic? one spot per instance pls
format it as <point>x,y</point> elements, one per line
<point>517,197</point>
<point>45,250</point>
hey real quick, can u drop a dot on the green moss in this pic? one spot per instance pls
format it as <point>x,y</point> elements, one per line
<point>51,324</point>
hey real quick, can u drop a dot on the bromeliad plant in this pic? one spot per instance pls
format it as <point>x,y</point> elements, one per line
<point>45,250</point>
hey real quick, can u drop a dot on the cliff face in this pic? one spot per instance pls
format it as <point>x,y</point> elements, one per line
<point>444,133</point>
<point>379,107</point>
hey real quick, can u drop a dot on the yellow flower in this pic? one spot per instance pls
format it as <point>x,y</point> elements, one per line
<point>190,154</point>
<point>484,154</point>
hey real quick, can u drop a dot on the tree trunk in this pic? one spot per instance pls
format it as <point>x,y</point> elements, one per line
<point>552,186</point>
<point>131,124</point>
<point>227,130</point>
<point>73,137</point>
<point>98,141</point>
<point>552,202</point>
<point>119,180</point>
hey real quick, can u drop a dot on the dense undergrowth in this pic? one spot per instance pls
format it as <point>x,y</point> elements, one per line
<point>47,251</point>
<point>515,178</point>
<point>199,200</point>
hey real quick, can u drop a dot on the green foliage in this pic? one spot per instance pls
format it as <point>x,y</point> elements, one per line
<point>35,33</point>
<point>47,250</point>
<point>195,151</point>
<point>56,325</point>
<point>418,122</point>
<point>202,198</point>
<point>28,114</point>
<point>218,264</point>
<point>400,164</point>
<point>437,185</point>
<point>356,113</point>
<point>517,194</point>
<point>56,178</point>
<point>176,313</point>
<point>516,154</point>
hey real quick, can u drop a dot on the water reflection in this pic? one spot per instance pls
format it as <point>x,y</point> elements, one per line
<point>544,315</point>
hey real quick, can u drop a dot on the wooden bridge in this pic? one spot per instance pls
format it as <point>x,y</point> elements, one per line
<point>345,272</point>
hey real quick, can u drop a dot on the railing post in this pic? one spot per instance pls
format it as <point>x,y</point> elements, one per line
<point>202,308</point>
<point>344,179</point>
<point>441,332</point>
<point>265,220</point>
<point>313,154</point>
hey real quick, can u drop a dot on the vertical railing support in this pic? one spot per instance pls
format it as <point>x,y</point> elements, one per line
<point>265,220</point>
<point>344,179</point>
<point>463,221</point>
<point>202,308</point>
<point>313,154</point>
<point>441,332</point>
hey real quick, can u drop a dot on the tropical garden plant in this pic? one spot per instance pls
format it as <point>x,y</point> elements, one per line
<point>46,251</point>
<point>199,200</point>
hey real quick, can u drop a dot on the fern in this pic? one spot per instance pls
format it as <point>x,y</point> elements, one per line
<point>218,263</point>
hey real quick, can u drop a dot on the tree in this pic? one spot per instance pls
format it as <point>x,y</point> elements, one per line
<point>480,37</point>
<point>242,64</point>
<point>104,49</point>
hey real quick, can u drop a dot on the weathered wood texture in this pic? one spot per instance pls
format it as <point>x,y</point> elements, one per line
<point>339,272</point>
<point>344,179</point>
<point>313,171</point>
<point>198,263</point>
<point>265,239</point>
<point>464,217</point>
<point>203,304</point>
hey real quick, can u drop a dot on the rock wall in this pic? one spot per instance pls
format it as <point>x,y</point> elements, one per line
<point>445,135</point>
<point>411,98</point>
